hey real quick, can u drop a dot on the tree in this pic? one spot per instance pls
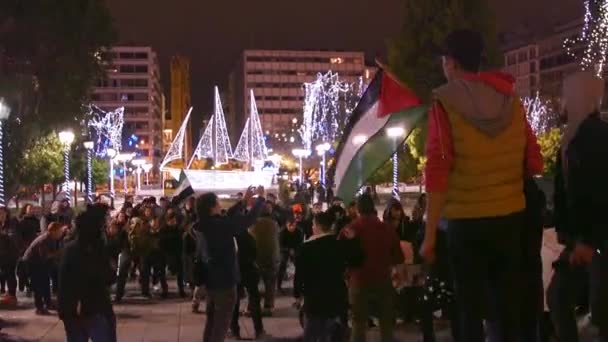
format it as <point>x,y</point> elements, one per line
<point>550,143</point>
<point>426,24</point>
<point>50,56</point>
<point>99,169</point>
<point>42,163</point>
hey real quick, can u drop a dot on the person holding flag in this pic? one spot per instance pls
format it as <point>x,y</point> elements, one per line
<point>479,150</point>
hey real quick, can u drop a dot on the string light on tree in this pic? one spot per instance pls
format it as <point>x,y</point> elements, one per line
<point>540,115</point>
<point>593,38</point>
<point>4,112</point>
<point>108,129</point>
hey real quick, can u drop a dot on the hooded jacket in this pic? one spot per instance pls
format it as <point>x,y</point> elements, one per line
<point>480,147</point>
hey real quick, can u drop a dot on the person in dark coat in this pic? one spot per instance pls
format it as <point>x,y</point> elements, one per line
<point>171,246</point>
<point>9,254</point>
<point>580,204</point>
<point>290,240</point>
<point>319,279</point>
<point>250,278</point>
<point>223,273</point>
<point>85,275</point>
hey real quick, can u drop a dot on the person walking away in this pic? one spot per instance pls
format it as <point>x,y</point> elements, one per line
<point>223,274</point>
<point>250,279</point>
<point>580,202</point>
<point>38,257</point>
<point>290,240</point>
<point>371,282</point>
<point>9,254</point>
<point>124,255</point>
<point>266,235</point>
<point>113,243</point>
<point>319,279</point>
<point>479,149</point>
<point>85,277</point>
<point>171,247</point>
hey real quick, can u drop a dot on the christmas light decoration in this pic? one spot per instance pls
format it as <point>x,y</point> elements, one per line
<point>222,150</point>
<point>66,138</point>
<point>4,112</point>
<point>395,175</point>
<point>88,145</point>
<point>108,129</point>
<point>175,151</point>
<point>204,149</point>
<point>593,38</point>
<point>328,104</point>
<point>241,152</point>
<point>539,114</point>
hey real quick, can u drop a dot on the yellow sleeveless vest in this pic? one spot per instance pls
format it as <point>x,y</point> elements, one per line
<point>486,179</point>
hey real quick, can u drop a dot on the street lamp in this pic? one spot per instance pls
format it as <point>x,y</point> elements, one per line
<point>66,138</point>
<point>301,153</point>
<point>111,154</point>
<point>138,163</point>
<point>395,133</point>
<point>321,151</point>
<point>4,112</point>
<point>124,158</point>
<point>147,167</point>
<point>88,145</point>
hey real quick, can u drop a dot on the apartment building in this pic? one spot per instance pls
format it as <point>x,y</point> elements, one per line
<point>133,81</point>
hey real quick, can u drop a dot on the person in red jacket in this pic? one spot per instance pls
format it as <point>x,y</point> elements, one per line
<point>371,283</point>
<point>479,149</point>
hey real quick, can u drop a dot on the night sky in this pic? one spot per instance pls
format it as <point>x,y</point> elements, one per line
<point>212,33</point>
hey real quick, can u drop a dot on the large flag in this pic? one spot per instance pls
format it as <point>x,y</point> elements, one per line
<point>183,190</point>
<point>365,145</point>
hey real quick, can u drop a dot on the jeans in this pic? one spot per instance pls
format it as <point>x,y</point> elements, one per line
<point>563,291</point>
<point>124,266</point>
<point>220,305</point>
<point>253,292</point>
<point>361,299</point>
<point>319,329</point>
<point>286,257</point>
<point>41,285</point>
<point>8,270</point>
<point>485,256</point>
<point>269,277</point>
<point>99,328</point>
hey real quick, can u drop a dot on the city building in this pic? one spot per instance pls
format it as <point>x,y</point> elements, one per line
<point>522,64</point>
<point>133,81</point>
<point>180,99</point>
<point>277,78</point>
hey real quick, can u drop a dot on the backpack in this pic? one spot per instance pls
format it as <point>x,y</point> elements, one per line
<point>200,271</point>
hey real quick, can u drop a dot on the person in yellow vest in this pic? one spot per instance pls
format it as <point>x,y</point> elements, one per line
<point>480,148</point>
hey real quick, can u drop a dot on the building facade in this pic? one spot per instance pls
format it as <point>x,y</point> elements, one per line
<point>133,81</point>
<point>522,64</point>
<point>277,78</point>
<point>180,99</point>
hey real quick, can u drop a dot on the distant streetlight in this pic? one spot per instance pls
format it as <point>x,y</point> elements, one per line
<point>111,154</point>
<point>88,145</point>
<point>124,158</point>
<point>138,164</point>
<point>321,151</point>
<point>147,167</point>
<point>4,112</point>
<point>301,153</point>
<point>66,138</point>
<point>395,133</point>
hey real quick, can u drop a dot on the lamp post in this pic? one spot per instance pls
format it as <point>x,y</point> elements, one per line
<point>124,158</point>
<point>88,145</point>
<point>301,153</point>
<point>111,154</point>
<point>321,151</point>
<point>66,138</point>
<point>4,112</point>
<point>138,164</point>
<point>359,140</point>
<point>147,167</point>
<point>395,133</point>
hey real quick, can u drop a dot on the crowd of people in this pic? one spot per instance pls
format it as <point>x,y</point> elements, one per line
<point>478,230</point>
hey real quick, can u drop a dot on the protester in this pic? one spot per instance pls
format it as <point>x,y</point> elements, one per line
<point>171,248</point>
<point>580,202</point>
<point>9,254</point>
<point>38,257</point>
<point>266,235</point>
<point>223,275</point>
<point>319,278</point>
<point>290,240</point>
<point>142,245</point>
<point>371,283</point>
<point>85,274</point>
<point>477,126</point>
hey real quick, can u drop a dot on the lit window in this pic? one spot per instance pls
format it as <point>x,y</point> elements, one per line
<point>337,60</point>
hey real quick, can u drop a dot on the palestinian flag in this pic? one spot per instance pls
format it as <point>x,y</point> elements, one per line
<point>365,145</point>
<point>183,190</point>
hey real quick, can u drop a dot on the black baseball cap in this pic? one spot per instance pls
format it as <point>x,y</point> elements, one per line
<point>465,46</point>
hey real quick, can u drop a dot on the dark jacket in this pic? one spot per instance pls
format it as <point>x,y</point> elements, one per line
<point>219,232</point>
<point>320,267</point>
<point>291,240</point>
<point>266,234</point>
<point>580,196</point>
<point>9,243</point>
<point>28,229</point>
<point>171,240</point>
<point>85,275</point>
<point>247,256</point>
